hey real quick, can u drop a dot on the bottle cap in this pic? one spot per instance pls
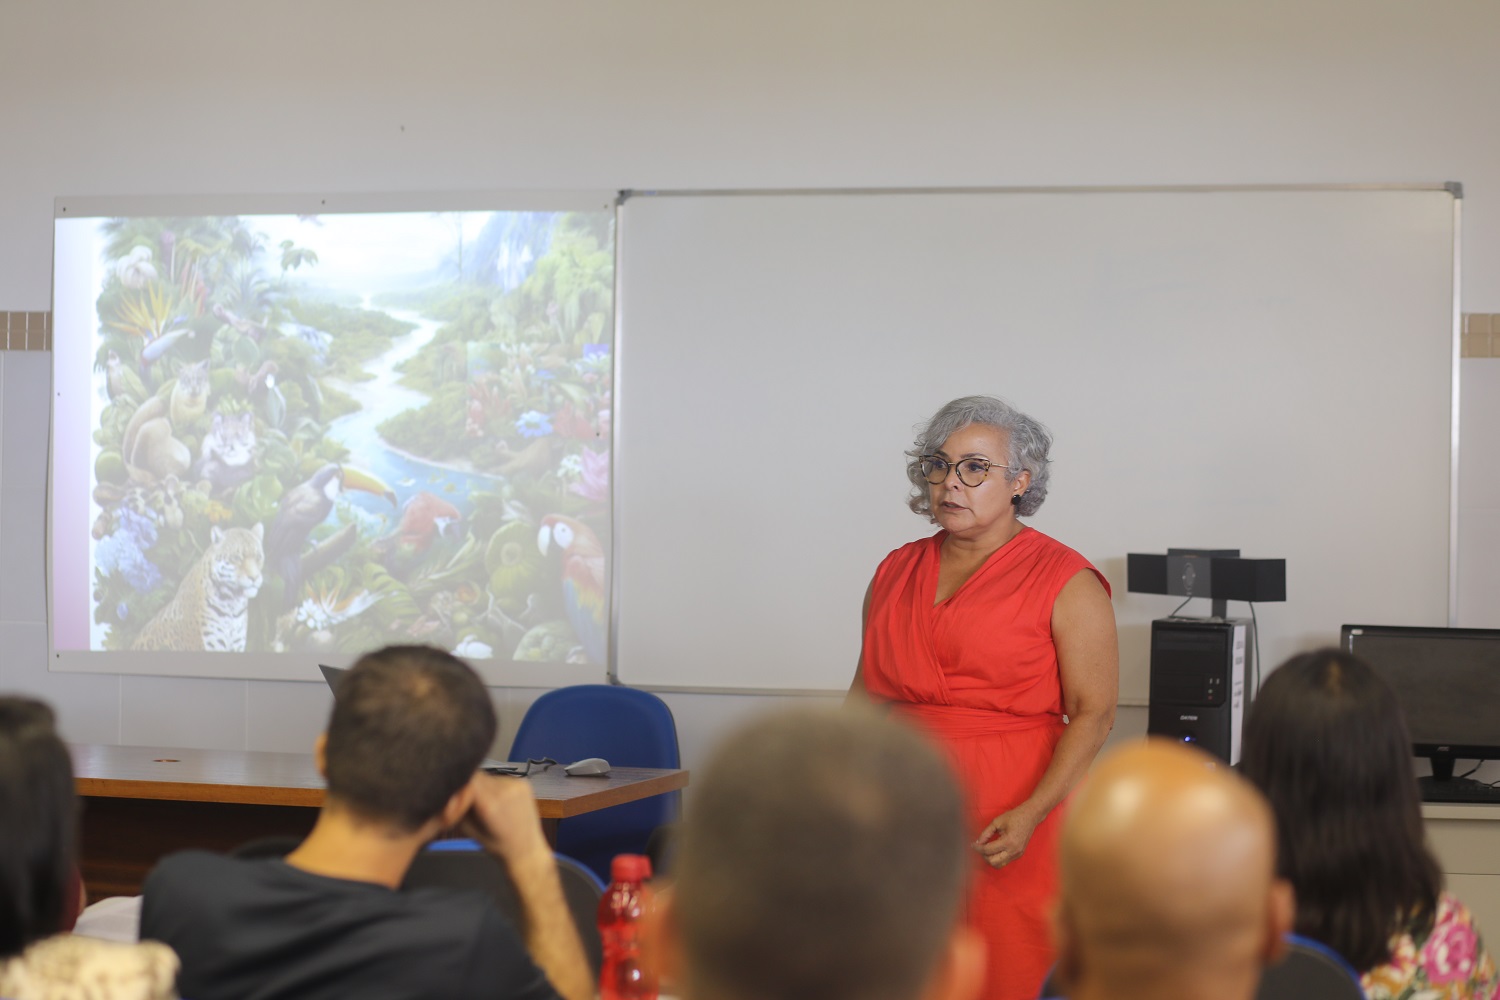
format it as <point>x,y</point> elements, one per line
<point>630,868</point>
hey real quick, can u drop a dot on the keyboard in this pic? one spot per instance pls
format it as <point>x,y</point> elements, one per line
<point>1458,790</point>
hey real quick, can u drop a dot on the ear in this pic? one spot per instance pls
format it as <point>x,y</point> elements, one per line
<point>458,805</point>
<point>320,754</point>
<point>959,974</point>
<point>1021,483</point>
<point>259,531</point>
<point>1281,914</point>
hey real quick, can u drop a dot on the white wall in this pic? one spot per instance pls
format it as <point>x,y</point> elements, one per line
<point>179,96</point>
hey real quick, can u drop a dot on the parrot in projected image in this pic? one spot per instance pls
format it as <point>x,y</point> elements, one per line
<point>303,508</point>
<point>583,578</point>
<point>425,519</point>
<point>121,381</point>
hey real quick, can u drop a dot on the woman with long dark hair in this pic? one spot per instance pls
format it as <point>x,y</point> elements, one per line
<point>38,838</point>
<point>1327,744</point>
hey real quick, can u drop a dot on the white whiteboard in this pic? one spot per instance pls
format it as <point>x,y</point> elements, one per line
<point>1270,370</point>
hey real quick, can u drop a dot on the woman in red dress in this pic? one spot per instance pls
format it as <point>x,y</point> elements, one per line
<point>1000,642</point>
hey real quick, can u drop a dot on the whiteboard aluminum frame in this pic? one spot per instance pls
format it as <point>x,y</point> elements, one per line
<point>1454,188</point>
<point>1458,341</point>
<point>611,673</point>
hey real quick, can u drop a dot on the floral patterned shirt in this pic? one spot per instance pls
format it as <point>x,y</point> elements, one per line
<point>1449,964</point>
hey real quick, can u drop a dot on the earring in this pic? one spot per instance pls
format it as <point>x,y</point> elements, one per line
<point>1015,501</point>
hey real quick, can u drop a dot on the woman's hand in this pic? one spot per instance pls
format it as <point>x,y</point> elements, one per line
<point>1005,839</point>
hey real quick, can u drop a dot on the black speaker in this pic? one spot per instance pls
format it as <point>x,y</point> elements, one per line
<point>1197,690</point>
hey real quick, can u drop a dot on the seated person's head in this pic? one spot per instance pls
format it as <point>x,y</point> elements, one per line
<point>38,825</point>
<point>1168,875</point>
<point>410,725</point>
<point>823,857</point>
<point>1327,744</point>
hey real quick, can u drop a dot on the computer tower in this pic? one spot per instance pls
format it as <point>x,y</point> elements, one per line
<point>1197,690</point>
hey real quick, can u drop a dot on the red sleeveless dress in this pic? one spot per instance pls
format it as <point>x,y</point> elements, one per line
<point>979,673</point>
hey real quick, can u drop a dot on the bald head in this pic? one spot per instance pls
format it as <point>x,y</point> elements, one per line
<point>1168,870</point>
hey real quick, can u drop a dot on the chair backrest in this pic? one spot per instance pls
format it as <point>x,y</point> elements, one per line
<point>1310,971</point>
<point>461,869</point>
<point>628,728</point>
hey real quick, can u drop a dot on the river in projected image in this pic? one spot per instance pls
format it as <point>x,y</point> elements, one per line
<point>327,434</point>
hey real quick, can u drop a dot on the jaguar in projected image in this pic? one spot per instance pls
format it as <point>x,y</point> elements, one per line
<point>324,434</point>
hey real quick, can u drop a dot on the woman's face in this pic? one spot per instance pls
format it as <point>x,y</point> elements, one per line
<point>972,511</point>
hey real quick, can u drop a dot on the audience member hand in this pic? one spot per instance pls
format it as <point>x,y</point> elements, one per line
<point>504,818</point>
<point>1005,839</point>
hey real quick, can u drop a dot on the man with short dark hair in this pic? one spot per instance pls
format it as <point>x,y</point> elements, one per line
<point>409,728</point>
<point>824,858</point>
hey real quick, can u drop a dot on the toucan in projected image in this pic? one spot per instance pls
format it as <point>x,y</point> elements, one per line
<point>331,433</point>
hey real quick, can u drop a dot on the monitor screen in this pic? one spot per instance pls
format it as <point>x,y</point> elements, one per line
<point>1447,680</point>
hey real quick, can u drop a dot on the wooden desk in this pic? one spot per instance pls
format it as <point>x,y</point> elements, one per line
<point>141,803</point>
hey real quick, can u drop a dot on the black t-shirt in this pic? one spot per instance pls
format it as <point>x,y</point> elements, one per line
<point>262,929</point>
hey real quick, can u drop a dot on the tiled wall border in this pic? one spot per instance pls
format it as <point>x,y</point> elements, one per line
<point>32,331</point>
<point>25,331</point>
<point>1481,335</point>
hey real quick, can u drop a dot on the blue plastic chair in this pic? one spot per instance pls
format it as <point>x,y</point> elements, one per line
<point>628,728</point>
<point>1310,971</point>
<point>460,864</point>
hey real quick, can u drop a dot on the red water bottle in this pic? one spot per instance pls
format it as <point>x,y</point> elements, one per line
<point>622,913</point>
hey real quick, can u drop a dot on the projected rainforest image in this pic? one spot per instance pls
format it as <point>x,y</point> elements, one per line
<point>324,434</point>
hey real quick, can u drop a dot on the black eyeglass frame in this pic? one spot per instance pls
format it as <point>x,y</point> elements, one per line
<point>521,770</point>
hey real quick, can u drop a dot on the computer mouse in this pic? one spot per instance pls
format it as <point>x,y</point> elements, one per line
<point>588,767</point>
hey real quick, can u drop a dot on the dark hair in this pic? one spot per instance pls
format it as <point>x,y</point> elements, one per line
<point>823,859</point>
<point>38,824</point>
<point>410,724</point>
<point>1327,744</point>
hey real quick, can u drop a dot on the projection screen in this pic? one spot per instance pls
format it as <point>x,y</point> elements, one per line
<point>291,429</point>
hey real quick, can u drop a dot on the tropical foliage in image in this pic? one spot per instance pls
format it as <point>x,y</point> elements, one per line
<point>226,382</point>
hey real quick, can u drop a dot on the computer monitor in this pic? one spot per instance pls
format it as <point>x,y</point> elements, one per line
<point>1448,683</point>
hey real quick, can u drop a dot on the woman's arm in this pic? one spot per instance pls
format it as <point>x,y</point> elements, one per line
<point>857,692</point>
<point>1088,659</point>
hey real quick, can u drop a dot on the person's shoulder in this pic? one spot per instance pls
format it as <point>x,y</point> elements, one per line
<point>113,970</point>
<point>1044,547</point>
<point>183,884</point>
<point>188,866</point>
<point>1451,912</point>
<point>1044,542</point>
<point>1451,960</point>
<point>912,550</point>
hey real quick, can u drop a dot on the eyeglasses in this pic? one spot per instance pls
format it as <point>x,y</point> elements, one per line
<point>971,471</point>
<point>520,770</point>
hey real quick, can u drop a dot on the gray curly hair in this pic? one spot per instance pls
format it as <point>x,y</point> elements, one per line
<point>1030,443</point>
